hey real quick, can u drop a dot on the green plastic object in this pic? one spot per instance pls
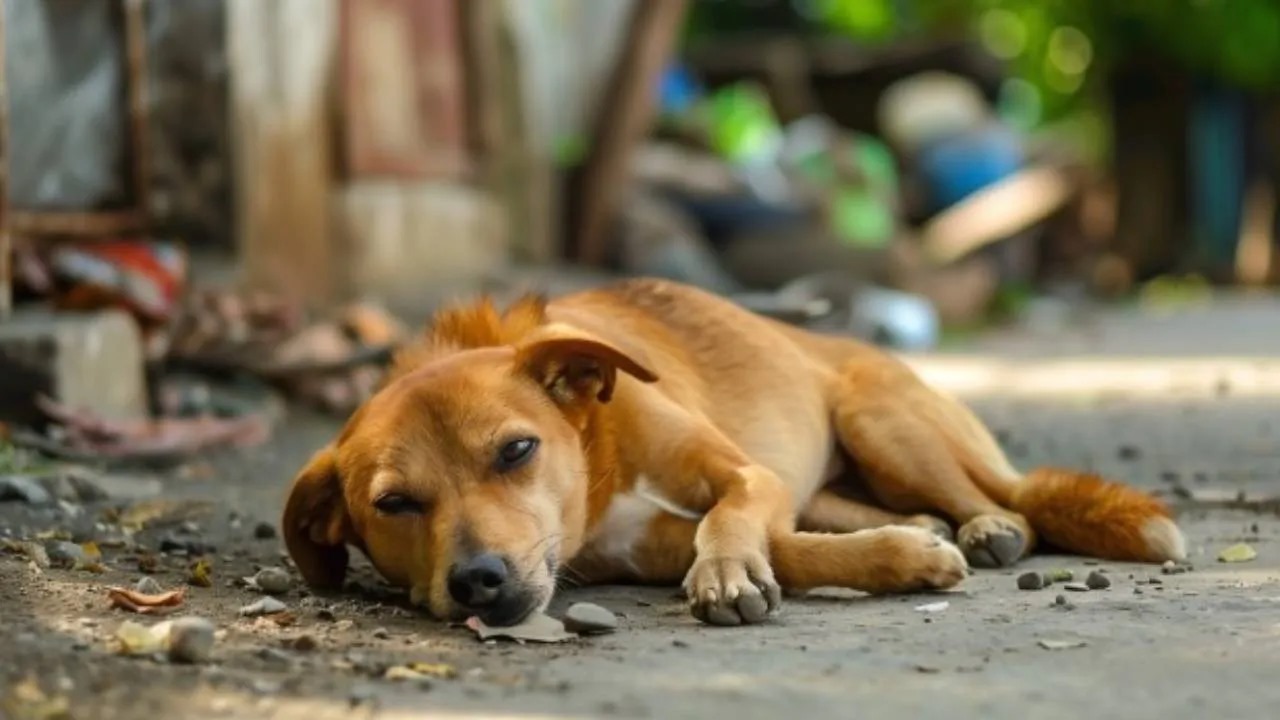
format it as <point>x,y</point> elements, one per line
<point>741,122</point>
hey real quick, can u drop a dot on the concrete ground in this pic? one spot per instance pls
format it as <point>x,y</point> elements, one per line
<point>1183,403</point>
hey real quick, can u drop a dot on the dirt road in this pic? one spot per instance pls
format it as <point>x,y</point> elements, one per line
<point>1199,644</point>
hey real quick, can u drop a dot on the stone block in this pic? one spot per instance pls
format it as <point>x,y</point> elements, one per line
<point>92,361</point>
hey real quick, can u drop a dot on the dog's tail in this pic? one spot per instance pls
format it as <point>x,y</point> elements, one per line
<point>1085,514</point>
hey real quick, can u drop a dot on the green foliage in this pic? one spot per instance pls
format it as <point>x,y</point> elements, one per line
<point>1056,49</point>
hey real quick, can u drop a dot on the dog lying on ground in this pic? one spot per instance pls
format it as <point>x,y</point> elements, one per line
<point>649,432</point>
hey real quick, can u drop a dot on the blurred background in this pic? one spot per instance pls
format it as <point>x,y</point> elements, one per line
<point>274,190</point>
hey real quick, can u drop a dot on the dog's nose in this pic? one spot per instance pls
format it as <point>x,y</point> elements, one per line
<point>477,581</point>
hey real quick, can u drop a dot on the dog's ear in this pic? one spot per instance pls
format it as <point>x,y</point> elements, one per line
<point>575,366</point>
<point>316,524</point>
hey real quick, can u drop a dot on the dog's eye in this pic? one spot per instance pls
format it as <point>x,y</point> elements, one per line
<point>515,453</point>
<point>397,504</point>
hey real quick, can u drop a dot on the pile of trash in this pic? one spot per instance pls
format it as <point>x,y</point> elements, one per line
<point>219,363</point>
<point>889,237</point>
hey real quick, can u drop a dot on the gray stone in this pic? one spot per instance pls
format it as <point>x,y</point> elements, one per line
<point>264,531</point>
<point>272,581</point>
<point>89,361</point>
<point>191,640</point>
<point>65,554</point>
<point>588,618</point>
<point>1076,587</point>
<point>24,488</point>
<point>1097,581</point>
<point>148,585</point>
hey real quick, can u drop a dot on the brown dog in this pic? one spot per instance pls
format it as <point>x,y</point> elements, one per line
<point>650,432</point>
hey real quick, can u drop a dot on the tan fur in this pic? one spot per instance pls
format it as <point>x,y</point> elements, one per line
<point>681,437</point>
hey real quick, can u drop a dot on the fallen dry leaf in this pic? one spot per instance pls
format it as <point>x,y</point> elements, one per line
<point>136,639</point>
<point>421,671</point>
<point>283,619</point>
<point>1238,553</point>
<point>200,574</point>
<point>144,604</point>
<point>536,628</point>
<point>92,560</point>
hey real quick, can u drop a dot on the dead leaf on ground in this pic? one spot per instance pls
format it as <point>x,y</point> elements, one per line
<point>1238,553</point>
<point>536,628</point>
<point>200,574</point>
<point>137,639</point>
<point>91,560</point>
<point>284,619</point>
<point>145,604</point>
<point>26,701</point>
<point>421,671</point>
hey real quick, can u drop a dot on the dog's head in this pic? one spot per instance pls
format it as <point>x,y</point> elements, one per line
<point>465,478</point>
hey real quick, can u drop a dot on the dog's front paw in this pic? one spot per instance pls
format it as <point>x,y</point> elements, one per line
<point>732,590</point>
<point>913,559</point>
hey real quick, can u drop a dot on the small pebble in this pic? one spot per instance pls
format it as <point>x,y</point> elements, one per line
<point>1060,600</point>
<point>272,580</point>
<point>1137,591</point>
<point>588,618</point>
<point>147,585</point>
<point>191,640</point>
<point>1030,581</point>
<point>264,531</point>
<point>304,643</point>
<point>1154,581</point>
<point>381,633</point>
<point>1097,581</point>
<point>1076,587</point>
<point>265,606</point>
<point>1128,452</point>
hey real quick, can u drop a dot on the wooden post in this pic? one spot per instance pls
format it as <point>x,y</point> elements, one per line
<point>6,244</point>
<point>282,56</point>
<point>622,118</point>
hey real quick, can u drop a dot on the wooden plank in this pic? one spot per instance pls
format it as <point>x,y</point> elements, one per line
<point>407,239</point>
<point>139,103</point>
<point>282,56</point>
<point>623,117</point>
<point>403,89</point>
<point>506,162</point>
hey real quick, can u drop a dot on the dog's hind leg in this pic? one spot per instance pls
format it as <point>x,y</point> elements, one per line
<point>831,513</point>
<point>894,427</point>
<point>887,560</point>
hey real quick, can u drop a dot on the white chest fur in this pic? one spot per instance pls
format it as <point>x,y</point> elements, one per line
<point>627,520</point>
